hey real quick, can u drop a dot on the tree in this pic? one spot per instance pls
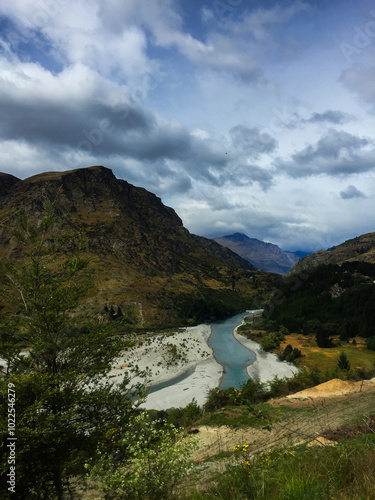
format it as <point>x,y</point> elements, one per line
<point>343,362</point>
<point>289,354</point>
<point>370,343</point>
<point>271,341</point>
<point>65,403</point>
<point>324,336</point>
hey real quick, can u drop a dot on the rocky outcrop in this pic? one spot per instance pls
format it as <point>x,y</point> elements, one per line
<point>115,217</point>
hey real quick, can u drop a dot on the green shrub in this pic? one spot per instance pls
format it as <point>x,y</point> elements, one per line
<point>183,417</point>
<point>254,391</point>
<point>289,354</point>
<point>157,458</point>
<point>271,341</point>
<point>219,398</point>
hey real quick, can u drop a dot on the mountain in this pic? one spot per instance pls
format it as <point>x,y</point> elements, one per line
<point>330,293</point>
<point>360,249</point>
<point>7,181</point>
<point>138,248</point>
<point>327,300</point>
<point>223,253</point>
<point>264,256</point>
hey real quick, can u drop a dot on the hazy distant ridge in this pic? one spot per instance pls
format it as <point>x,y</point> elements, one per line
<point>264,256</point>
<point>360,248</point>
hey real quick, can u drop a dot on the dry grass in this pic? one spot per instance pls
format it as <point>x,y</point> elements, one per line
<point>326,358</point>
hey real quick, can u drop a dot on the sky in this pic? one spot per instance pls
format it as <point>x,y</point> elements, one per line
<point>243,115</point>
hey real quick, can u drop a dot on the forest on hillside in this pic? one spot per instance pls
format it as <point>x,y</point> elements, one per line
<point>332,300</point>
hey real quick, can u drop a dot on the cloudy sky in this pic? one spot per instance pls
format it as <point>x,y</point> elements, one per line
<point>243,115</point>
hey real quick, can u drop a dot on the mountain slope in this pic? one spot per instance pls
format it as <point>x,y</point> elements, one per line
<point>330,292</point>
<point>138,248</point>
<point>327,300</point>
<point>264,256</point>
<point>223,253</point>
<point>7,182</point>
<point>361,249</point>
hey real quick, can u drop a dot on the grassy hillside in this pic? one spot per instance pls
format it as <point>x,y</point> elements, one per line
<point>285,448</point>
<point>360,248</point>
<point>140,254</point>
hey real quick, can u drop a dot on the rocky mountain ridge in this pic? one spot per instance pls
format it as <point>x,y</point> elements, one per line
<point>265,256</point>
<point>360,249</point>
<point>139,249</point>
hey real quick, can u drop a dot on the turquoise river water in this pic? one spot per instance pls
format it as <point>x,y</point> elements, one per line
<point>230,353</point>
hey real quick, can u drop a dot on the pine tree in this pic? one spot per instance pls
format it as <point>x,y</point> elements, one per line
<point>343,362</point>
<point>66,407</point>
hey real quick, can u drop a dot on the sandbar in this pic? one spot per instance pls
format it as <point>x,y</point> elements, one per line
<point>187,355</point>
<point>267,365</point>
<point>167,357</point>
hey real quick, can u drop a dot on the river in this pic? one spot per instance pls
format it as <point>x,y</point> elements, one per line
<point>230,353</point>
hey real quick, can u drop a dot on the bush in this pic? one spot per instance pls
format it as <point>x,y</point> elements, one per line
<point>289,354</point>
<point>270,342</point>
<point>218,398</point>
<point>183,417</point>
<point>278,387</point>
<point>254,391</point>
<point>158,457</point>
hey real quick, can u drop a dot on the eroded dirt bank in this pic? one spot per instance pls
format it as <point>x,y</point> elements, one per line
<point>303,417</point>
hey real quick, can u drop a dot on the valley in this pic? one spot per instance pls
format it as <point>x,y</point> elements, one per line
<point>123,315</point>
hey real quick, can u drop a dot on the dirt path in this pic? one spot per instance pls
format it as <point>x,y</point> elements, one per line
<point>303,418</point>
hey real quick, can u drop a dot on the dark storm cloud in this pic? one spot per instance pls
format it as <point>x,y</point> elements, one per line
<point>92,128</point>
<point>337,153</point>
<point>330,116</point>
<point>351,192</point>
<point>251,141</point>
<point>243,174</point>
<point>98,128</point>
<point>57,123</point>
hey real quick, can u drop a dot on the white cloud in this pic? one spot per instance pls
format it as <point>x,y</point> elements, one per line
<point>77,34</point>
<point>201,134</point>
<point>261,22</point>
<point>85,82</point>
